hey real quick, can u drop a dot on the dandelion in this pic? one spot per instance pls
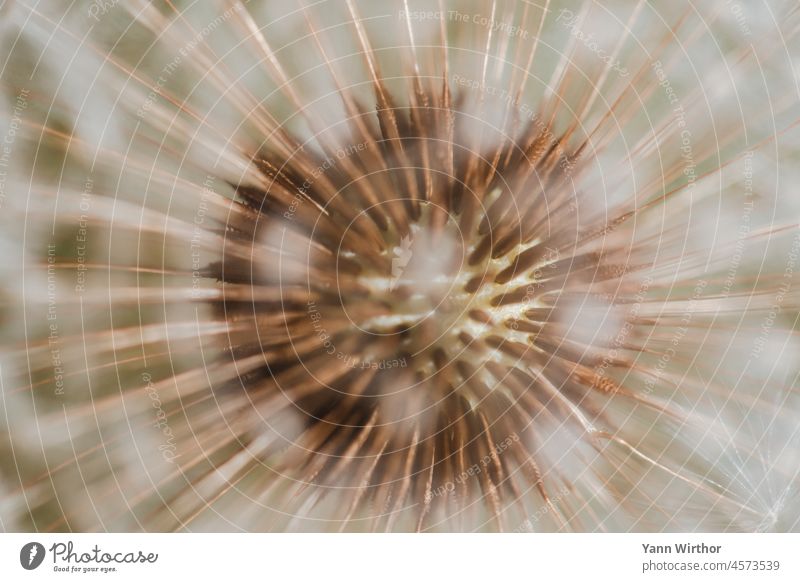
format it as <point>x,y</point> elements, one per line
<point>338,265</point>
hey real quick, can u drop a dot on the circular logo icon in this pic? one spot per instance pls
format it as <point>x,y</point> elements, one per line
<point>31,555</point>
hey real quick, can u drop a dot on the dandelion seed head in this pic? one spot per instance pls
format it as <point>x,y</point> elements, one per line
<point>355,266</point>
